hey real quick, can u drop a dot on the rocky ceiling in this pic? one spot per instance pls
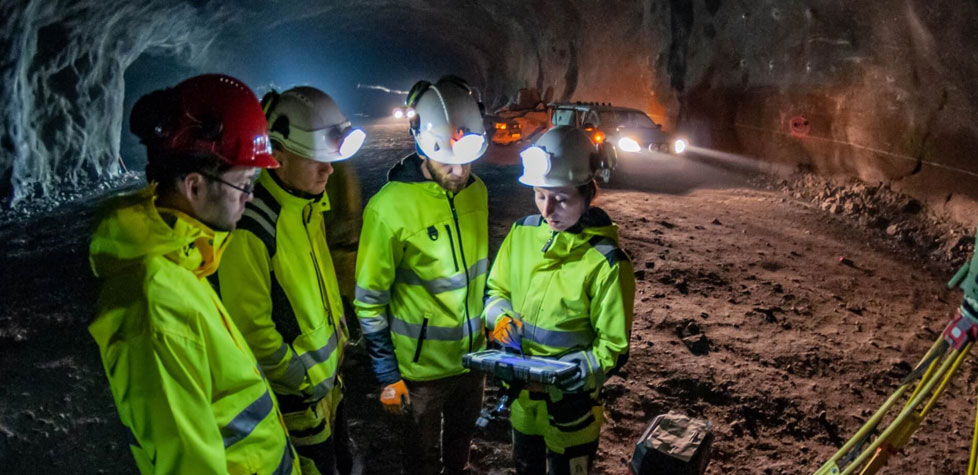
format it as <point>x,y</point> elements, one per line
<point>882,90</point>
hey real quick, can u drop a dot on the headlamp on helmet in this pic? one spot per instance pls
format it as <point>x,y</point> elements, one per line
<point>536,165</point>
<point>465,149</point>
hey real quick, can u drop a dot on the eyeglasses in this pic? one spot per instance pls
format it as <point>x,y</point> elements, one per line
<point>246,189</point>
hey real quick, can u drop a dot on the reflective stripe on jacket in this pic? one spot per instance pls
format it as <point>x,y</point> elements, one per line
<point>182,377</point>
<point>278,282</point>
<point>421,273</point>
<point>573,290</point>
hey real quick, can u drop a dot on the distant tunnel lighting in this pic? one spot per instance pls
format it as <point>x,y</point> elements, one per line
<point>628,145</point>
<point>679,146</point>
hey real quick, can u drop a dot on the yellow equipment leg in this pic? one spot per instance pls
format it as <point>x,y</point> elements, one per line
<point>898,433</point>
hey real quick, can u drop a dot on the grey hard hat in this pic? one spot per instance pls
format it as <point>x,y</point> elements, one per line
<point>563,156</point>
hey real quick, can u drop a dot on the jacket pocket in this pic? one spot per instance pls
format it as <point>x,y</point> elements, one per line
<point>421,335</point>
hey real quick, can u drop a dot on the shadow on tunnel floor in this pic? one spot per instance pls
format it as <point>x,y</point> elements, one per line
<point>673,174</point>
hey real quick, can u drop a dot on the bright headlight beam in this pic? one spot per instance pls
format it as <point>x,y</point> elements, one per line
<point>398,113</point>
<point>679,146</point>
<point>628,145</point>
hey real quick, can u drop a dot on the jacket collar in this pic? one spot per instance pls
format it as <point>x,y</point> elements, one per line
<point>202,253</point>
<point>595,222</point>
<point>288,197</point>
<point>593,217</point>
<point>132,228</point>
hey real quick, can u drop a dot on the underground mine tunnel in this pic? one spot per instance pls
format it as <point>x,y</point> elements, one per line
<point>790,264</point>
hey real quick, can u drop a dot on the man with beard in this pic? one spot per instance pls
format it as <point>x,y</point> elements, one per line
<point>421,273</point>
<point>184,381</point>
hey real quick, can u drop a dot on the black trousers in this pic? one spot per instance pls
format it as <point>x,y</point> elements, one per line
<point>337,453</point>
<point>531,457</point>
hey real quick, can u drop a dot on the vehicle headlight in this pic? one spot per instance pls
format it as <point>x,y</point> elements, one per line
<point>398,113</point>
<point>679,146</point>
<point>628,145</point>
<point>410,113</point>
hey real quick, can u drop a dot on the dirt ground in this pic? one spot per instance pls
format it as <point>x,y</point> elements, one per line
<point>743,316</point>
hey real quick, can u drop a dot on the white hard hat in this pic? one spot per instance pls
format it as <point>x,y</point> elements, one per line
<point>307,122</point>
<point>447,125</point>
<point>563,156</point>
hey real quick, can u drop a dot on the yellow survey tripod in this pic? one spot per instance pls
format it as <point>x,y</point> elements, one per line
<point>934,371</point>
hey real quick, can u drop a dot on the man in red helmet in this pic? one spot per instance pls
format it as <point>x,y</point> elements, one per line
<point>184,381</point>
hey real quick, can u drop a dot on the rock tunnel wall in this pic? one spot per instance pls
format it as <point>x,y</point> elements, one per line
<point>62,71</point>
<point>878,90</point>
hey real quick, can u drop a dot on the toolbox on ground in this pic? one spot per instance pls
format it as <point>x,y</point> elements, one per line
<point>673,444</point>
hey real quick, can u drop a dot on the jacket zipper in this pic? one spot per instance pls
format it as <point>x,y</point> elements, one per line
<point>451,243</point>
<point>549,242</point>
<point>315,265</point>
<point>421,336</point>
<point>465,266</point>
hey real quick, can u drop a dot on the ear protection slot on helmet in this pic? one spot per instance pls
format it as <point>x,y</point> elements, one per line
<point>412,100</point>
<point>281,125</point>
<point>269,101</point>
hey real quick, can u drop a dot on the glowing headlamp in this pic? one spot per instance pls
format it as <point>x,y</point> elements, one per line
<point>628,145</point>
<point>351,142</point>
<point>536,163</point>
<point>467,148</point>
<point>398,113</point>
<point>679,146</point>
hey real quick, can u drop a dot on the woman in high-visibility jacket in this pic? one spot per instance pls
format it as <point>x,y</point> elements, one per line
<point>561,287</point>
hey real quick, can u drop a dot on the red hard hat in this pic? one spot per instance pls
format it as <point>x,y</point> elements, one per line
<point>219,115</point>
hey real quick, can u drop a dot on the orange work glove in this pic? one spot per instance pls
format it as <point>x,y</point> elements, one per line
<point>395,397</point>
<point>508,333</point>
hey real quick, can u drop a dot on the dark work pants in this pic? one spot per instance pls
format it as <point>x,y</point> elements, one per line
<point>457,400</point>
<point>531,457</point>
<point>337,453</point>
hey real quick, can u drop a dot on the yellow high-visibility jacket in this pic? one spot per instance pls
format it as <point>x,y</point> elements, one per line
<point>573,290</point>
<point>421,273</point>
<point>183,379</point>
<point>278,282</point>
